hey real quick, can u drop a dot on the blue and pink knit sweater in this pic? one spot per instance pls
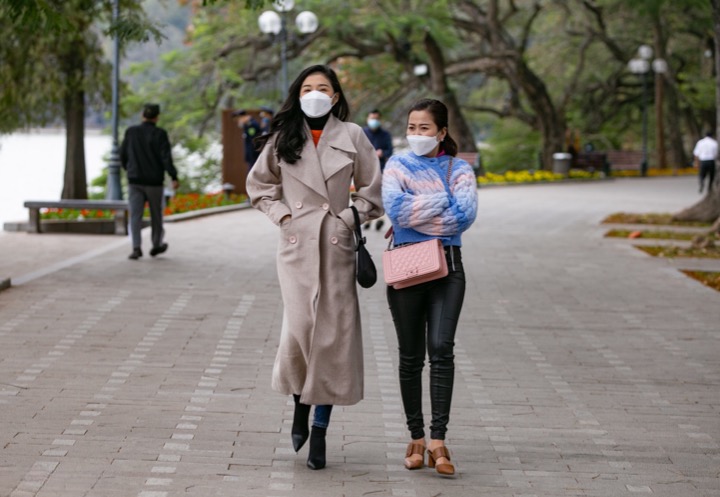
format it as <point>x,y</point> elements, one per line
<point>420,203</point>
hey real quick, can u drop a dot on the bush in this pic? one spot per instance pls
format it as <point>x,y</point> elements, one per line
<point>512,147</point>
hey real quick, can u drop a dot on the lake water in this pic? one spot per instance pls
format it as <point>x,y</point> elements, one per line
<point>32,166</point>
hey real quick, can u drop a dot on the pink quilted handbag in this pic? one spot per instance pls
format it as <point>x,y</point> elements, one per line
<point>410,265</point>
<point>417,263</point>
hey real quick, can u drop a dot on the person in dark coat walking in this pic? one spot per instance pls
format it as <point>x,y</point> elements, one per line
<point>146,155</point>
<point>382,142</point>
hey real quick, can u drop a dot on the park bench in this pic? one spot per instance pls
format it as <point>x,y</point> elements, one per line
<point>472,158</point>
<point>625,160</point>
<point>119,206</point>
<point>616,160</point>
<point>592,161</point>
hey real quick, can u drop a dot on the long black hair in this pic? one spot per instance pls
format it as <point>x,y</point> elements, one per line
<point>439,113</point>
<point>289,123</point>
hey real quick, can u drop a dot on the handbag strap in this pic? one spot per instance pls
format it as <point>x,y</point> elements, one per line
<point>358,231</point>
<point>389,233</point>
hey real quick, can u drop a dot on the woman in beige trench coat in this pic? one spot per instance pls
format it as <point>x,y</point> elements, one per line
<point>302,182</point>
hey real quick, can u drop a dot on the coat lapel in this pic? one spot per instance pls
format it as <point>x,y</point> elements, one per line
<point>334,141</point>
<point>308,169</point>
<point>330,156</point>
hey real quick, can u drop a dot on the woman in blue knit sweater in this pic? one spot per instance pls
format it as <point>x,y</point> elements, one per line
<point>422,204</point>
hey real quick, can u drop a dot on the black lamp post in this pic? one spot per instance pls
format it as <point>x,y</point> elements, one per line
<point>641,65</point>
<point>113,189</point>
<point>275,24</point>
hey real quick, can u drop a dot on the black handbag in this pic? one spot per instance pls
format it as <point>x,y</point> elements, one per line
<point>365,271</point>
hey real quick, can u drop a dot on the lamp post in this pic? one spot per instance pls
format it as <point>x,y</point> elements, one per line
<point>113,190</point>
<point>641,65</point>
<point>659,67</point>
<point>275,24</point>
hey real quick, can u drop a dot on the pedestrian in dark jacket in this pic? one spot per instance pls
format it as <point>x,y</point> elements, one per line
<point>382,142</point>
<point>379,137</point>
<point>146,156</point>
<point>251,130</point>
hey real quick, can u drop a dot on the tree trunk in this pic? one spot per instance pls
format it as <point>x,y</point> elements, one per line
<point>551,122</point>
<point>73,66</point>
<point>708,209</point>
<point>677,147</point>
<point>458,126</point>
<point>75,182</point>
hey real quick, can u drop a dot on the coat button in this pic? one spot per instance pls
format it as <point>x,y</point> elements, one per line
<point>298,205</point>
<point>292,239</point>
<point>334,240</point>
<point>325,206</point>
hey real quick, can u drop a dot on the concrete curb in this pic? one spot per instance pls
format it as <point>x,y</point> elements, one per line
<point>174,218</point>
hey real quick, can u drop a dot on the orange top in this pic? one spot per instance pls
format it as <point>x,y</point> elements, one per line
<point>316,135</point>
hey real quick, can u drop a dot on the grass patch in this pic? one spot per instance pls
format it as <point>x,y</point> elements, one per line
<point>707,278</point>
<point>651,218</point>
<point>656,235</point>
<point>672,252</point>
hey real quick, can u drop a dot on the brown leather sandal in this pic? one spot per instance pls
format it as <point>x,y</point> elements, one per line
<point>415,449</point>
<point>444,469</point>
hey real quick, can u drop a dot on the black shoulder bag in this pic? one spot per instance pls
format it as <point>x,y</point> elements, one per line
<point>365,271</point>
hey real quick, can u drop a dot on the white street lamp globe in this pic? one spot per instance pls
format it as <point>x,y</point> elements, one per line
<point>638,66</point>
<point>645,52</point>
<point>283,5</point>
<point>660,66</point>
<point>306,22</point>
<point>270,22</point>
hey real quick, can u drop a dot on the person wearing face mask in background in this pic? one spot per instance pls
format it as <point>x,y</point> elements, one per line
<point>422,204</point>
<point>251,130</point>
<point>382,141</point>
<point>301,181</point>
<point>266,114</point>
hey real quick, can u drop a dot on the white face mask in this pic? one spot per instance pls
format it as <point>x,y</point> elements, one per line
<point>315,103</point>
<point>421,144</point>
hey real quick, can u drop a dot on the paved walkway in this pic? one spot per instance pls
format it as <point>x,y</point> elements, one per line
<point>584,366</point>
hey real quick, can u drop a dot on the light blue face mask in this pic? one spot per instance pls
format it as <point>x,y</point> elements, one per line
<point>373,123</point>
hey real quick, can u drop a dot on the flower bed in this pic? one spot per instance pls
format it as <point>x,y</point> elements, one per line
<point>185,202</point>
<point>533,177</point>
<point>631,173</point>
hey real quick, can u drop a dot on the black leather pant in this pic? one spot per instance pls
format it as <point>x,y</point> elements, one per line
<point>426,316</point>
<point>707,168</point>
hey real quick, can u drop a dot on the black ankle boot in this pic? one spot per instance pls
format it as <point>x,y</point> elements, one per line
<point>316,457</point>
<point>300,431</point>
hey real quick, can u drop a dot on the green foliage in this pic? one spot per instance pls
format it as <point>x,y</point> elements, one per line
<point>513,146</point>
<point>50,49</point>
<point>249,4</point>
<point>34,14</point>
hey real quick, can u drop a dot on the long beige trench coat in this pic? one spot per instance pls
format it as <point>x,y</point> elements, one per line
<point>320,356</point>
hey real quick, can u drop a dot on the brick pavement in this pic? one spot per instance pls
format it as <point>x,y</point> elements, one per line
<point>584,367</point>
